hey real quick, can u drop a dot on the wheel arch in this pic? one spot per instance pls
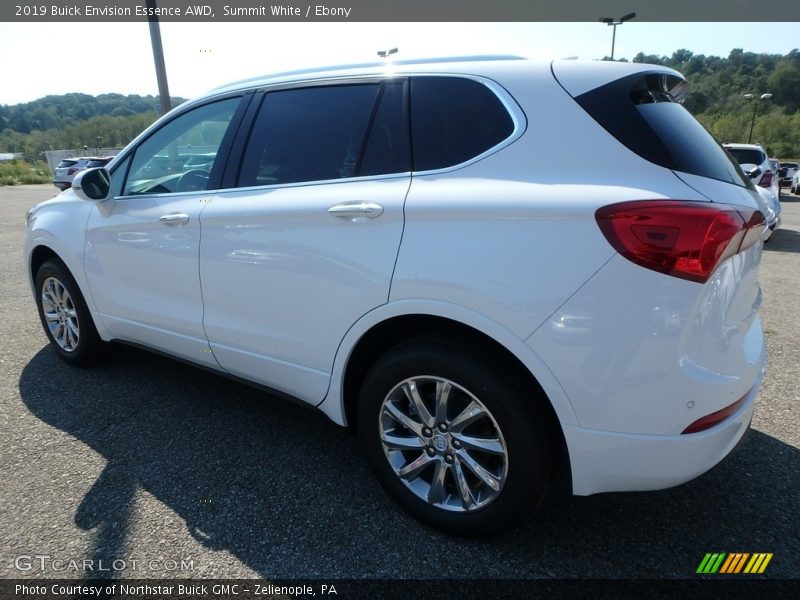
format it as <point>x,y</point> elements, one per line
<point>39,255</point>
<point>43,249</point>
<point>393,323</point>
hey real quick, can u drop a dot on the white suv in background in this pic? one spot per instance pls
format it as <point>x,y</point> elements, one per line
<point>764,172</point>
<point>395,246</point>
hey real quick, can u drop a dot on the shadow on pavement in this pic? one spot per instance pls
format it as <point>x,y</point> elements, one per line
<point>286,492</point>
<point>783,240</point>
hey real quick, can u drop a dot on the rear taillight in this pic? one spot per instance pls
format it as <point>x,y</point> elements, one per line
<point>766,178</point>
<point>72,170</point>
<point>680,238</point>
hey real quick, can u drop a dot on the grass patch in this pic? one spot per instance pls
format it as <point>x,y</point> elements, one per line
<point>18,172</point>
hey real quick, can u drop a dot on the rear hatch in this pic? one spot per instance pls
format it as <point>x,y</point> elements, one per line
<point>713,348</point>
<point>62,169</point>
<point>641,106</point>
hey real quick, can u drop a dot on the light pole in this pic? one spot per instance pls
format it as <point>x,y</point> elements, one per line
<point>752,98</point>
<point>158,57</point>
<point>613,23</point>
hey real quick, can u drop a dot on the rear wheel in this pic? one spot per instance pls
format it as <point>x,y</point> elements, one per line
<point>457,438</point>
<point>65,316</point>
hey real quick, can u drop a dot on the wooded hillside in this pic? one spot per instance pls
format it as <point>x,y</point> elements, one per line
<point>716,98</point>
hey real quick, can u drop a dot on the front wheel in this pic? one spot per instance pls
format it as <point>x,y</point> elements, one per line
<point>456,437</point>
<point>65,316</point>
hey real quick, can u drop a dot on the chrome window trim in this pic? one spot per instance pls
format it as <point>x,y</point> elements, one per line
<point>518,118</point>
<point>296,184</point>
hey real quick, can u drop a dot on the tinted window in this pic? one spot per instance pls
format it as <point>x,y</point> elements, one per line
<point>638,110</point>
<point>96,163</point>
<point>66,163</point>
<point>453,120</point>
<point>308,134</point>
<point>387,148</point>
<point>159,163</point>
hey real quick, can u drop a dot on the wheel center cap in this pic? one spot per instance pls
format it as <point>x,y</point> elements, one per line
<point>440,442</point>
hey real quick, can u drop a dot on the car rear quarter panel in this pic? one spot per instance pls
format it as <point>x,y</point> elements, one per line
<point>513,235</point>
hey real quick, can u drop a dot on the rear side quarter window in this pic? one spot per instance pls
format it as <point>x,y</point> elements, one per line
<point>453,120</point>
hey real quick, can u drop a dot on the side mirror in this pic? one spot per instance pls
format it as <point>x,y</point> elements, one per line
<point>92,184</point>
<point>752,171</point>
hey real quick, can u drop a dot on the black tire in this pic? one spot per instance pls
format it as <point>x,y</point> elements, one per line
<point>523,416</point>
<point>88,349</point>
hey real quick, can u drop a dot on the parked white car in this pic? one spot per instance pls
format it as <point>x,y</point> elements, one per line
<point>795,185</point>
<point>411,250</point>
<point>787,173</point>
<point>774,210</point>
<point>755,162</point>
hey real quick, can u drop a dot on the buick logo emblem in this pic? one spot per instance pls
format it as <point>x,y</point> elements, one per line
<point>440,443</point>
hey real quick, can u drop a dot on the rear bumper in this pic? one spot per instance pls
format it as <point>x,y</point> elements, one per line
<point>604,461</point>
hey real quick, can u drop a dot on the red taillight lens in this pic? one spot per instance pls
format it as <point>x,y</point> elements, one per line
<point>680,238</point>
<point>709,421</point>
<point>72,171</point>
<point>766,178</point>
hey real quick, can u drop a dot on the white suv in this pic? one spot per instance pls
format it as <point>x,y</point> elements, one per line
<point>396,246</point>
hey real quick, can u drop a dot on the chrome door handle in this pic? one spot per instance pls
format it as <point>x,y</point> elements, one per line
<point>175,219</point>
<point>360,209</point>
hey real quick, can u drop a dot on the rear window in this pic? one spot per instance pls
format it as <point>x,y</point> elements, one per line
<point>746,156</point>
<point>66,163</point>
<point>641,113</point>
<point>96,163</point>
<point>789,165</point>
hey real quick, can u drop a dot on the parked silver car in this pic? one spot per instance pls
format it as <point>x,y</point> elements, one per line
<point>69,167</point>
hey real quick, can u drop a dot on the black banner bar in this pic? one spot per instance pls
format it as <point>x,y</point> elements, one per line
<point>397,10</point>
<point>439,589</point>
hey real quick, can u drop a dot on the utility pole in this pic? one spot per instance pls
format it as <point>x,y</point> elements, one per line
<point>158,57</point>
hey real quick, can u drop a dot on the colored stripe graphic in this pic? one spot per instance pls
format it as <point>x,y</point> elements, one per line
<point>711,562</point>
<point>726,565</point>
<point>734,563</point>
<point>736,560</point>
<point>758,563</point>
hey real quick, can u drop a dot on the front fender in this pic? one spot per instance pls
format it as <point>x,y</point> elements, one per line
<point>50,228</point>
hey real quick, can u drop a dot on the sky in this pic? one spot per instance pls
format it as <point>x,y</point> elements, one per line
<point>37,59</point>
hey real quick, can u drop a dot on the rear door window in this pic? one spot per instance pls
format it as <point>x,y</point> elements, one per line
<point>311,134</point>
<point>454,119</point>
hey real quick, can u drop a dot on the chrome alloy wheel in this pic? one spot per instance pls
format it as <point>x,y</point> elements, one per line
<point>443,443</point>
<point>60,314</point>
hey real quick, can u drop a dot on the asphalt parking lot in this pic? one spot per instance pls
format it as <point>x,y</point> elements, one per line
<point>175,472</point>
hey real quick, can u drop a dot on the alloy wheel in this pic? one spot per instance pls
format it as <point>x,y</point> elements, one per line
<point>60,314</point>
<point>443,443</point>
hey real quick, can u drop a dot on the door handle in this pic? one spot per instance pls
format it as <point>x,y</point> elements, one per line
<point>175,219</point>
<point>360,209</point>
